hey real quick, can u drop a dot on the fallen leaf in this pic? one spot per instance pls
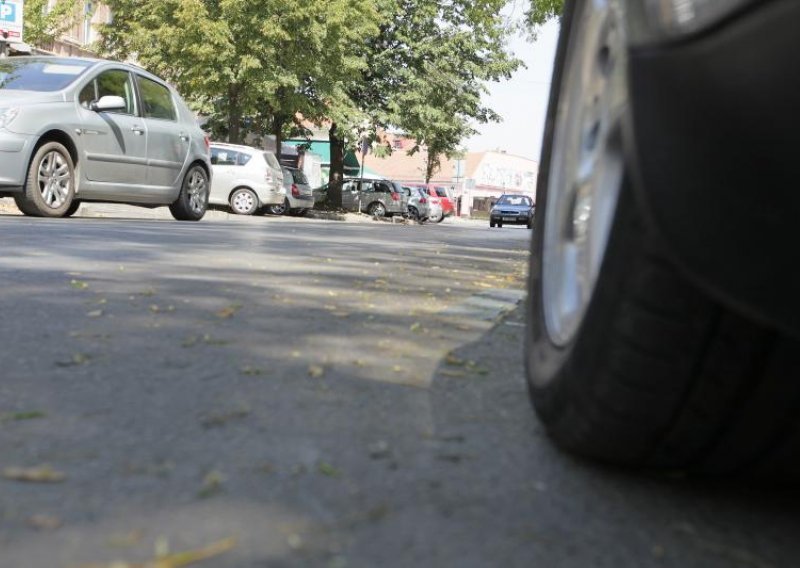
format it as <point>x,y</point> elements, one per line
<point>15,416</point>
<point>228,311</point>
<point>316,372</point>
<point>77,359</point>
<point>454,361</point>
<point>78,284</point>
<point>328,470</point>
<point>249,371</point>
<point>44,522</point>
<point>452,373</point>
<point>39,474</point>
<point>178,559</point>
<point>126,540</point>
<point>212,484</point>
<point>416,327</point>
<point>94,313</point>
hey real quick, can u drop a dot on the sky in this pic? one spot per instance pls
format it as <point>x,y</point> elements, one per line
<point>522,100</point>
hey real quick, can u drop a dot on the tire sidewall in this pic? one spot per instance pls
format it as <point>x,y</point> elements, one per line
<point>181,209</point>
<point>33,194</point>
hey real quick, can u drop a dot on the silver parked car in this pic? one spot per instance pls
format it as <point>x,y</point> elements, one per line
<point>74,130</point>
<point>421,206</point>
<point>244,178</point>
<point>299,197</point>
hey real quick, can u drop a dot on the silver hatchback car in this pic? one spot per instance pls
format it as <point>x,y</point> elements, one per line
<point>74,130</point>
<point>245,179</point>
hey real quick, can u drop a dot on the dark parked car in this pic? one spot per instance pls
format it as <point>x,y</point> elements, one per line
<point>664,312</point>
<point>512,210</point>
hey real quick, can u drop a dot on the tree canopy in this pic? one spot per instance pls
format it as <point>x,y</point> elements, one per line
<point>542,11</point>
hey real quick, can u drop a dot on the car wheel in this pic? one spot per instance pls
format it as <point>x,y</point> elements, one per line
<point>377,209</point>
<point>627,361</point>
<point>530,223</point>
<point>279,209</point>
<point>441,218</point>
<point>192,201</point>
<point>499,224</point>
<point>243,201</point>
<point>413,214</point>
<point>50,184</point>
<point>491,224</point>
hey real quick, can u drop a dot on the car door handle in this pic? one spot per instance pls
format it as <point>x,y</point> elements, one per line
<point>137,130</point>
<point>184,137</point>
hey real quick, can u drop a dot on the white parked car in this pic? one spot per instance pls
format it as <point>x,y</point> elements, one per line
<point>245,179</point>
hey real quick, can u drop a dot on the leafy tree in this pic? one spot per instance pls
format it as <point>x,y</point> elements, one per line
<point>249,65</point>
<point>45,21</point>
<point>542,11</point>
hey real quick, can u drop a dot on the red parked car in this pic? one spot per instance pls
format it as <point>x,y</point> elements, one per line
<point>445,195</point>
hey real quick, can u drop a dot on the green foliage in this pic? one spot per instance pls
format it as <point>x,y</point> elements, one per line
<point>542,11</point>
<point>244,63</point>
<point>43,24</point>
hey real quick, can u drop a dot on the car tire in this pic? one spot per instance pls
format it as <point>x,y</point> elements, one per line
<point>280,209</point>
<point>530,223</point>
<point>413,214</point>
<point>441,218</point>
<point>73,208</point>
<point>192,201</point>
<point>243,201</point>
<point>499,224</point>
<point>655,373</point>
<point>377,209</point>
<point>50,184</point>
<point>491,224</point>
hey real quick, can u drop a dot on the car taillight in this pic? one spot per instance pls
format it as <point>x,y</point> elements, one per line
<point>395,197</point>
<point>268,176</point>
<point>423,200</point>
<point>295,190</point>
<point>207,140</point>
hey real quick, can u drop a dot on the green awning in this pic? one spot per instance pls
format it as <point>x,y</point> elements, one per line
<point>323,149</point>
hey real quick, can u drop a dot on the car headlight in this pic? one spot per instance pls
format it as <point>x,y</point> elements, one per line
<point>668,19</point>
<point>7,116</point>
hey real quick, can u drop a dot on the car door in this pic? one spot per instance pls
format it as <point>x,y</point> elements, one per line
<point>366,194</point>
<point>167,138</point>
<point>223,160</point>
<point>114,142</point>
<point>350,195</point>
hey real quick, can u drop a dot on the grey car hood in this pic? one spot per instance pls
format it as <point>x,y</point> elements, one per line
<point>13,98</point>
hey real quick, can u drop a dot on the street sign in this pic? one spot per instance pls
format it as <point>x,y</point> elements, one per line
<point>11,20</point>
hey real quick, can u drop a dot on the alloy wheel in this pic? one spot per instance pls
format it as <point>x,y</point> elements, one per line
<point>54,179</point>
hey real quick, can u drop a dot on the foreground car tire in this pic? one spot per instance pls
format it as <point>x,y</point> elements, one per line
<point>627,360</point>
<point>243,201</point>
<point>192,202</point>
<point>50,184</point>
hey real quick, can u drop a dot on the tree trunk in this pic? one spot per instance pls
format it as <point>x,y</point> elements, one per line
<point>337,168</point>
<point>234,116</point>
<point>277,131</point>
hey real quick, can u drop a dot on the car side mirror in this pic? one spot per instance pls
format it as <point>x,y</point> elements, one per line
<point>108,103</point>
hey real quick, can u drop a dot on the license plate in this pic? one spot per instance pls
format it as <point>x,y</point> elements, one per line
<point>509,218</point>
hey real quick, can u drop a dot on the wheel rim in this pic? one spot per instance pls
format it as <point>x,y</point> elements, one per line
<point>243,202</point>
<point>279,209</point>
<point>54,179</point>
<point>378,210</point>
<point>586,166</point>
<point>196,191</point>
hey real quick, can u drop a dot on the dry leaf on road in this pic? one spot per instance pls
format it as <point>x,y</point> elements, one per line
<point>178,559</point>
<point>39,474</point>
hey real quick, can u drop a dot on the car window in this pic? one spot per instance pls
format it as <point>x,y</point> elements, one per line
<point>156,100</point>
<point>350,186</point>
<point>272,160</point>
<point>51,74</point>
<point>244,157</point>
<point>88,95</point>
<point>514,200</point>
<point>381,187</point>
<point>223,157</point>
<point>442,192</point>
<point>117,83</point>
<point>367,186</point>
<point>299,177</point>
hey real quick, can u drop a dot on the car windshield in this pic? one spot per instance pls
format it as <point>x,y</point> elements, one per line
<point>272,160</point>
<point>299,177</point>
<point>514,200</point>
<point>46,74</point>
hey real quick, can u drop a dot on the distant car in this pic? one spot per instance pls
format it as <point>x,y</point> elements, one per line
<point>299,197</point>
<point>379,197</point>
<point>444,194</point>
<point>74,130</point>
<point>244,180</point>
<point>512,210</point>
<point>421,206</point>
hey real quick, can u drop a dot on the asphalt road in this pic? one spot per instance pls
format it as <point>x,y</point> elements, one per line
<point>309,393</point>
